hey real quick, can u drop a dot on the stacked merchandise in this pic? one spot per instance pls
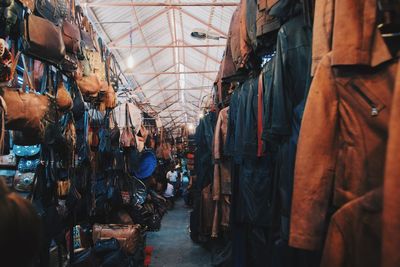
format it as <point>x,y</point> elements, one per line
<point>62,145</point>
<point>305,143</point>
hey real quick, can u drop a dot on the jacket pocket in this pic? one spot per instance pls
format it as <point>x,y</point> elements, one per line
<point>368,98</point>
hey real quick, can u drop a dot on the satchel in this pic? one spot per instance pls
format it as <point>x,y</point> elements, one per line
<point>128,236</point>
<point>27,112</point>
<point>71,37</point>
<point>43,40</point>
<point>26,151</point>
<point>28,165</point>
<point>23,182</point>
<point>89,85</point>
<point>63,98</point>
<point>53,10</point>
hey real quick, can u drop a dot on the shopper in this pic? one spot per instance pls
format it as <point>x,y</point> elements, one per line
<point>20,230</point>
<point>172,177</point>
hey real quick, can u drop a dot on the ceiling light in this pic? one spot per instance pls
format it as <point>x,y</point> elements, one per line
<point>190,126</point>
<point>130,62</point>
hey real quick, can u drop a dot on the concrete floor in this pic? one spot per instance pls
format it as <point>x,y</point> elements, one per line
<point>172,244</point>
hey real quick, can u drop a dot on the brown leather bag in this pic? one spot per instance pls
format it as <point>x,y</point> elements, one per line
<point>110,98</point>
<point>63,98</point>
<point>25,111</point>
<point>71,37</point>
<point>128,236</point>
<point>43,40</point>
<point>127,138</point>
<point>89,85</point>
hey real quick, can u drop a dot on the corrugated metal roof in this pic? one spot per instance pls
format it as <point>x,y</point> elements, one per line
<point>172,70</point>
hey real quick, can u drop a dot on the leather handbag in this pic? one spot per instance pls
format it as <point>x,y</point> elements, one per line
<point>115,132</point>
<point>89,85</point>
<point>23,182</point>
<point>28,165</point>
<point>26,111</point>
<point>43,40</point>
<point>128,236</point>
<point>71,37</point>
<point>127,138</point>
<point>63,98</point>
<point>53,10</point>
<point>110,98</point>
<point>26,151</point>
<point>141,137</point>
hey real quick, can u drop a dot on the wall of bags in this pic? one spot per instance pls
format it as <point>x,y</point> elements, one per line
<point>295,165</point>
<point>68,145</point>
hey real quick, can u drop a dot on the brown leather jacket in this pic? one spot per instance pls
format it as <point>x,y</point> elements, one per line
<point>354,233</point>
<point>391,202</point>
<point>346,28</point>
<point>222,175</point>
<point>342,144</point>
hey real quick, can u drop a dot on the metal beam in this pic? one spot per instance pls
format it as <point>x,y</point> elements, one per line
<point>163,46</point>
<point>143,23</point>
<point>223,34</point>
<point>158,4</point>
<point>174,72</point>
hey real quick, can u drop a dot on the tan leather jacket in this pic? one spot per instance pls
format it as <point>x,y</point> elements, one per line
<point>342,144</point>
<point>347,28</point>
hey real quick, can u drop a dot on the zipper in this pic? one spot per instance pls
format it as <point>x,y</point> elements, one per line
<point>369,101</point>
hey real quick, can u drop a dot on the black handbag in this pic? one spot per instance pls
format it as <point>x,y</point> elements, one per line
<point>115,132</point>
<point>28,165</point>
<point>54,10</point>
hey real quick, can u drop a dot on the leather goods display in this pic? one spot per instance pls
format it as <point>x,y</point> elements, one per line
<point>63,98</point>
<point>26,111</point>
<point>28,165</point>
<point>110,98</point>
<point>89,85</point>
<point>53,10</point>
<point>23,182</point>
<point>71,37</point>
<point>128,236</point>
<point>43,40</point>
<point>26,151</point>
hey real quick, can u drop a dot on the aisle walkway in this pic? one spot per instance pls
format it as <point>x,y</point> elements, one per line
<point>172,244</point>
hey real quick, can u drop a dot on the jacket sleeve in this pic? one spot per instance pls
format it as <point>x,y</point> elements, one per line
<point>322,31</point>
<point>315,162</point>
<point>217,157</point>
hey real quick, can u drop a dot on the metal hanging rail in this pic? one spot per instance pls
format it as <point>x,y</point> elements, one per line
<point>158,4</point>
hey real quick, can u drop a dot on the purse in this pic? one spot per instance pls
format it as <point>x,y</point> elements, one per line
<point>71,37</point>
<point>128,236</point>
<point>23,182</point>
<point>127,138</point>
<point>27,112</point>
<point>89,85</point>
<point>26,151</point>
<point>43,40</point>
<point>28,165</point>
<point>63,98</point>
<point>53,10</point>
<point>105,246</point>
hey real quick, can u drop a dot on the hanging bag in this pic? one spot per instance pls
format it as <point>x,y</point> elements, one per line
<point>127,138</point>
<point>53,10</point>
<point>43,40</point>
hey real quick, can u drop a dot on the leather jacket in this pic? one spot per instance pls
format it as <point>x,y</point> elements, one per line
<point>342,144</point>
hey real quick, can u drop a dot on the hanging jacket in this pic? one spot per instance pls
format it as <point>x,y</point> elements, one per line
<point>354,235</point>
<point>391,193</point>
<point>346,28</point>
<point>342,145</point>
